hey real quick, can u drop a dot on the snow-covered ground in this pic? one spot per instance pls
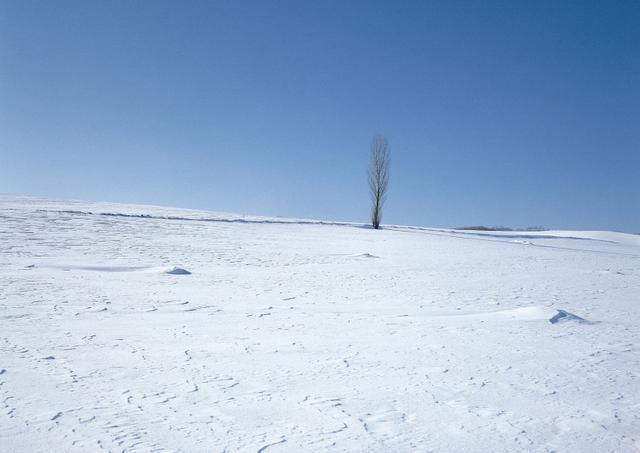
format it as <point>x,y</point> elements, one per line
<point>303,336</point>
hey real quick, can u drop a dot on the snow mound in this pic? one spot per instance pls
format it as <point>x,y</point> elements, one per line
<point>177,271</point>
<point>366,255</point>
<point>565,316</point>
<point>172,270</point>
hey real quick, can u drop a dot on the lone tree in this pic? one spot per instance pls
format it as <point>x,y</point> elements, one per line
<point>378,177</point>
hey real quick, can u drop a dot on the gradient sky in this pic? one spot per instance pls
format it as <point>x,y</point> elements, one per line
<point>497,113</point>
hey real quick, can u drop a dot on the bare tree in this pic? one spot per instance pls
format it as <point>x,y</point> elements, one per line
<point>378,177</point>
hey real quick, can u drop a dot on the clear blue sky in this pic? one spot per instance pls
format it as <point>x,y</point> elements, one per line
<point>498,113</point>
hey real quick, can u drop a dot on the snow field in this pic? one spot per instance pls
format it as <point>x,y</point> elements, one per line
<point>293,336</point>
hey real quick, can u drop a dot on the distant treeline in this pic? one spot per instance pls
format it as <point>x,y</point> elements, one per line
<point>501,228</point>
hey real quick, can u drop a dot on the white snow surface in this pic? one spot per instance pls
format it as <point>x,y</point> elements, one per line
<point>297,335</point>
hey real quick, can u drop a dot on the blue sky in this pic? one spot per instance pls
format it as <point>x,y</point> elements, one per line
<point>498,113</point>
